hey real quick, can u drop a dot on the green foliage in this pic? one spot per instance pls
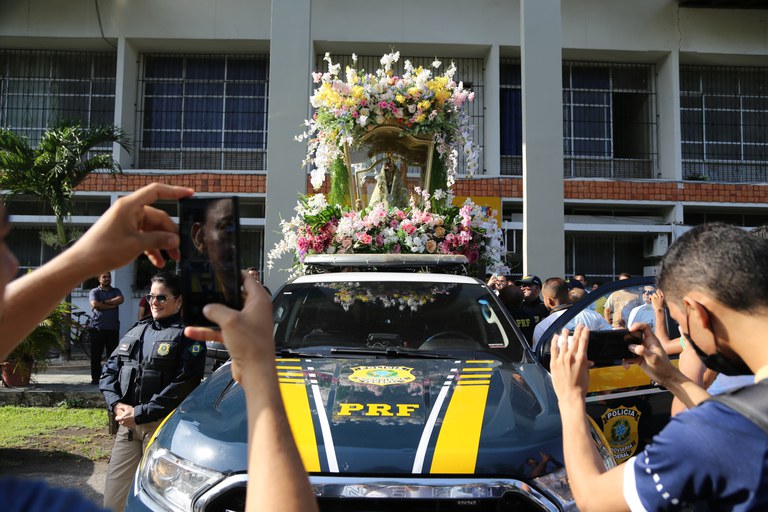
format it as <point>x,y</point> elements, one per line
<point>49,335</point>
<point>54,170</point>
<point>439,175</point>
<point>339,193</point>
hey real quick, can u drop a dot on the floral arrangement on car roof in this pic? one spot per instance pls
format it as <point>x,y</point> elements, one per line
<point>346,294</point>
<point>419,102</point>
<point>423,105</point>
<point>436,227</point>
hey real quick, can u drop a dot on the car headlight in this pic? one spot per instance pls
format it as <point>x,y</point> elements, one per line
<point>171,481</point>
<point>556,484</point>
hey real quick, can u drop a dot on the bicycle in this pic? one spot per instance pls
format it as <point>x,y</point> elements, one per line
<point>80,332</point>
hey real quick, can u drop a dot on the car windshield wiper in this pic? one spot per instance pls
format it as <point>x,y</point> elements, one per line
<point>289,352</point>
<point>392,352</point>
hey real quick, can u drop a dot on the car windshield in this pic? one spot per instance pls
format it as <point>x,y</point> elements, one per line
<point>440,317</point>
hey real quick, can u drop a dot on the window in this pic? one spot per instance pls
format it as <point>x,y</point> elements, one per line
<point>609,120</point>
<point>40,89</point>
<point>511,118</point>
<point>203,112</point>
<point>468,71</point>
<point>723,112</point>
<point>603,256</point>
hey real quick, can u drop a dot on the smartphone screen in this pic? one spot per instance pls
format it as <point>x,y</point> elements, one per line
<point>209,228</point>
<point>610,347</point>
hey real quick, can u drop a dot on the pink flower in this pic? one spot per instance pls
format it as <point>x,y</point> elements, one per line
<point>379,240</point>
<point>393,223</point>
<point>302,244</point>
<point>396,249</point>
<point>407,227</point>
<point>364,238</point>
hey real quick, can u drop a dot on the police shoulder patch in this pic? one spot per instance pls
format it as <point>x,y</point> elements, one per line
<point>195,348</point>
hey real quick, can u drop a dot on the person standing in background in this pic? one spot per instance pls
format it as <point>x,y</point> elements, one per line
<point>105,325</point>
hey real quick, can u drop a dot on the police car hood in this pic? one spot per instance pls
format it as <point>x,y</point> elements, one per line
<point>386,417</point>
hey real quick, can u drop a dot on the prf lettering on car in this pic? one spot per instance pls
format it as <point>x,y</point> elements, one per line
<point>377,409</point>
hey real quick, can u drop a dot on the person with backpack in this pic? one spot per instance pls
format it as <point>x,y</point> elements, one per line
<point>714,454</point>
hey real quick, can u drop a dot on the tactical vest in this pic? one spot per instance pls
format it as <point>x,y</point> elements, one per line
<point>148,360</point>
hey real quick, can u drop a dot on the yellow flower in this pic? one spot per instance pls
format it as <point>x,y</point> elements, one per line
<point>431,246</point>
<point>425,104</point>
<point>419,118</point>
<point>414,91</point>
<point>442,95</point>
<point>358,92</point>
<point>400,99</point>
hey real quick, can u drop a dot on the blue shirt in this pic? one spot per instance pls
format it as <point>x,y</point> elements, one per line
<point>708,454</point>
<point>17,495</point>
<point>106,319</point>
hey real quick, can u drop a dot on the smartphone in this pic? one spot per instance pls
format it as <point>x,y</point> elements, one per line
<point>209,228</point>
<point>610,347</point>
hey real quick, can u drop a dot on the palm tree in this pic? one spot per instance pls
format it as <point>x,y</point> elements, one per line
<point>53,170</point>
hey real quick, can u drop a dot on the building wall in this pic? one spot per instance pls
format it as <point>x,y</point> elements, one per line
<point>654,32</point>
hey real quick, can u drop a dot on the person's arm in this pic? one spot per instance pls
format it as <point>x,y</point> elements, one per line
<point>128,228</point>
<point>277,480</point>
<point>115,301</point>
<point>592,486</point>
<point>608,312</point>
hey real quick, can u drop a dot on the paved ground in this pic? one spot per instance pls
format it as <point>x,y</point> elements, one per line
<point>62,381</point>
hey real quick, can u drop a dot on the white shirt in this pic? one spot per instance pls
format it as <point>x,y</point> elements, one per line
<point>642,313</point>
<point>587,317</point>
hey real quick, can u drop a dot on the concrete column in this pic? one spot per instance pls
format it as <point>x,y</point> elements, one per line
<point>289,87</point>
<point>668,101</point>
<point>541,64</point>
<point>125,96</point>
<point>492,128</point>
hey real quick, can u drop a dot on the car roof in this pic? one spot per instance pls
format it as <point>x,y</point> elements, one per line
<point>333,277</point>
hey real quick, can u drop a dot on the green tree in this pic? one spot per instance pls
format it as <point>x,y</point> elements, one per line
<point>54,169</point>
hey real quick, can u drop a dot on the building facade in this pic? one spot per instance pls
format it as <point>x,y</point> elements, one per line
<point>664,111</point>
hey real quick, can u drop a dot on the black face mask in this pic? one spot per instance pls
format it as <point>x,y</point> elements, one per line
<point>719,362</point>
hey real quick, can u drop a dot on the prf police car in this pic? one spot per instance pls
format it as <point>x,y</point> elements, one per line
<point>407,387</point>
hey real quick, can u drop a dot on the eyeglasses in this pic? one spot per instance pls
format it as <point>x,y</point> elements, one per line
<point>648,292</point>
<point>159,298</point>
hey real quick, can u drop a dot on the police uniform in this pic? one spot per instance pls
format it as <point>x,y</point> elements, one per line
<point>153,369</point>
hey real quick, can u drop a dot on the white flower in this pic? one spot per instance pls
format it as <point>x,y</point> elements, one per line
<point>436,63</point>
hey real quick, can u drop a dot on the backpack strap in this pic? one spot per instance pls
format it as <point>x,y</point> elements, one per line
<point>749,401</point>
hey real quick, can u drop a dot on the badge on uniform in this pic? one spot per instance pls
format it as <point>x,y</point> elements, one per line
<point>163,349</point>
<point>195,349</point>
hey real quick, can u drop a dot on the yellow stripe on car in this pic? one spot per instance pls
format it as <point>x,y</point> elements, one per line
<point>459,437</point>
<point>300,418</point>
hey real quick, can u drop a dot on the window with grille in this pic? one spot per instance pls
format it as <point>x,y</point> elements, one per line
<point>42,89</point>
<point>723,120</point>
<point>468,70</point>
<point>203,112</point>
<point>609,119</point>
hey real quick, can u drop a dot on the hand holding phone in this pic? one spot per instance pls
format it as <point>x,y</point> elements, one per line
<point>209,229</point>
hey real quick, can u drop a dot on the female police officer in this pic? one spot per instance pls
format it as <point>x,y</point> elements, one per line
<point>152,370</point>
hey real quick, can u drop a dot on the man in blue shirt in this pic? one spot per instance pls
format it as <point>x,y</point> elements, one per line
<point>711,453</point>
<point>105,324</point>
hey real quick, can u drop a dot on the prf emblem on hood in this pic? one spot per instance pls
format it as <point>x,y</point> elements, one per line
<point>381,375</point>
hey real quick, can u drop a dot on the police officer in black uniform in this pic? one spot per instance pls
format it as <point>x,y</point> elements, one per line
<point>152,370</point>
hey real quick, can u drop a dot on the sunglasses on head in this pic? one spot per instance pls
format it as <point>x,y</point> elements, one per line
<point>159,298</point>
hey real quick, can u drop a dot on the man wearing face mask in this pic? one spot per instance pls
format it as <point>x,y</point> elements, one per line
<point>710,455</point>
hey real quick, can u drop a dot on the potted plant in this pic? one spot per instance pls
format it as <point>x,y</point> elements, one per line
<point>32,353</point>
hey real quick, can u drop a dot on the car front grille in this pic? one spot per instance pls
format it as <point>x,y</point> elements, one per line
<point>351,494</point>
